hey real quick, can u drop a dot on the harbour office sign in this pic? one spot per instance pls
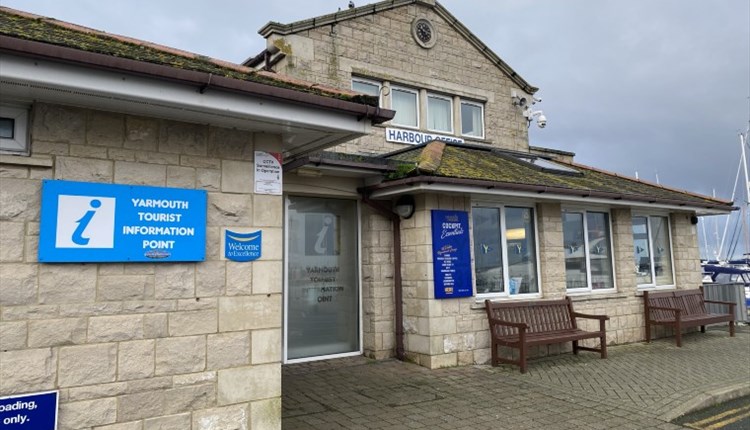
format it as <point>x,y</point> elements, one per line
<point>93,222</point>
<point>412,137</point>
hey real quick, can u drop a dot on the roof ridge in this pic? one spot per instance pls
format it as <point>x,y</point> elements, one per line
<point>431,157</point>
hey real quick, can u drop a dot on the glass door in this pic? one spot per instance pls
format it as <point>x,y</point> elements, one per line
<point>322,315</point>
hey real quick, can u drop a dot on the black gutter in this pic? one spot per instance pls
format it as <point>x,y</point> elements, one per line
<point>200,80</point>
<point>542,189</point>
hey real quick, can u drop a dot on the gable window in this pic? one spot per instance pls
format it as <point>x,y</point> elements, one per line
<point>13,129</point>
<point>472,119</point>
<point>368,87</point>
<point>439,113</point>
<point>588,251</point>
<point>505,254</point>
<point>652,251</point>
<point>406,104</point>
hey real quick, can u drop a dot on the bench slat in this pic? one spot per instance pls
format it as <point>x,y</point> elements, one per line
<point>547,322</point>
<point>692,312</point>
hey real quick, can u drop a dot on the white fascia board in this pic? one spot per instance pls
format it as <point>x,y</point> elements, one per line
<point>476,192</point>
<point>31,78</point>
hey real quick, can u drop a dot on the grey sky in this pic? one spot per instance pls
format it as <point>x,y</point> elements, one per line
<point>653,86</point>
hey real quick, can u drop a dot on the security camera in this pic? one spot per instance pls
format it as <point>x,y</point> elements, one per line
<point>541,121</point>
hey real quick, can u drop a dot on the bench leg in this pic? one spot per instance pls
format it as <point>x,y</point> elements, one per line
<point>495,361</point>
<point>575,347</point>
<point>648,331</point>
<point>731,328</point>
<point>678,336</point>
<point>703,329</point>
<point>603,344</point>
<point>523,353</point>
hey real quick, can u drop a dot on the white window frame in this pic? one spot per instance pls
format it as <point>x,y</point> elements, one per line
<point>480,297</point>
<point>481,109</point>
<point>370,82</point>
<point>416,96</point>
<point>19,143</point>
<point>588,289</point>
<point>450,112</point>
<point>652,285</point>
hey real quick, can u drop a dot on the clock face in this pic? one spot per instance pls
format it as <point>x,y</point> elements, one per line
<point>424,32</point>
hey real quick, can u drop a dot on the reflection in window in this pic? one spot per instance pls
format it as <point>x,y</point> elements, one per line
<point>472,119</point>
<point>588,250</point>
<point>652,251</point>
<point>366,87</point>
<point>504,250</point>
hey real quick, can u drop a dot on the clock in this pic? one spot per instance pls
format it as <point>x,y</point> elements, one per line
<point>423,32</point>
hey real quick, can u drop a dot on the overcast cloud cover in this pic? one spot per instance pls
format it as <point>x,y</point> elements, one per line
<point>654,86</point>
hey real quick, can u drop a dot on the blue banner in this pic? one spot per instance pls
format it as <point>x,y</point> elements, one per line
<point>242,246</point>
<point>90,222</point>
<point>451,256</point>
<point>29,411</point>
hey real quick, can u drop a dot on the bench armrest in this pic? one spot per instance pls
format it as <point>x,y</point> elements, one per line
<point>589,316</point>
<point>719,302</point>
<point>602,319</point>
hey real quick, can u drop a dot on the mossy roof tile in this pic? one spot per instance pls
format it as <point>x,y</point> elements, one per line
<point>26,26</point>
<point>501,167</point>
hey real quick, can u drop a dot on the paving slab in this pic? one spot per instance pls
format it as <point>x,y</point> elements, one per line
<point>639,386</point>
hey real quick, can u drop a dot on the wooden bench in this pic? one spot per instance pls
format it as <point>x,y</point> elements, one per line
<point>682,309</point>
<point>517,324</point>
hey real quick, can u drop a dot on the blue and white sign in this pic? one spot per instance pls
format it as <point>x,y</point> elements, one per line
<point>451,257</point>
<point>242,246</point>
<point>91,222</point>
<point>412,137</point>
<point>36,411</point>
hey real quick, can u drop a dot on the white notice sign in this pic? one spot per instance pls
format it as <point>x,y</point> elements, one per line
<point>268,173</point>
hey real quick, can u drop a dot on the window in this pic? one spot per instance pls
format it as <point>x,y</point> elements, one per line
<point>439,113</point>
<point>588,251</point>
<point>505,261</point>
<point>472,119</point>
<point>366,87</point>
<point>13,124</point>
<point>405,103</point>
<point>652,251</point>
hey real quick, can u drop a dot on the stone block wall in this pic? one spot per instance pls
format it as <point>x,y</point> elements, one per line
<point>144,345</point>
<point>451,332</point>
<point>380,47</point>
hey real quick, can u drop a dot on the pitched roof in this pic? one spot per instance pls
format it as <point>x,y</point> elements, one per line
<point>343,15</point>
<point>27,34</point>
<point>488,168</point>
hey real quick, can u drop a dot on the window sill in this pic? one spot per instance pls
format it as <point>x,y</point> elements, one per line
<point>479,302</point>
<point>22,160</point>
<point>588,295</point>
<point>639,292</point>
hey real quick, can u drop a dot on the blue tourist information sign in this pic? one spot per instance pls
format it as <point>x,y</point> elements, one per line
<point>36,411</point>
<point>90,222</point>
<point>451,256</point>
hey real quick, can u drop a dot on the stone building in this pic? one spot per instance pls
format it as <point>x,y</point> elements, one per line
<point>166,342</point>
<point>540,225</point>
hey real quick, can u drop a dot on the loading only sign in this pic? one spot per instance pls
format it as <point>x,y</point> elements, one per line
<point>90,222</point>
<point>36,411</point>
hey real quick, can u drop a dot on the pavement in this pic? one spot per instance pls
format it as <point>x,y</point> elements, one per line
<point>640,386</point>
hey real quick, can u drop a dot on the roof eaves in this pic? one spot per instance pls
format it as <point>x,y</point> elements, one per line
<point>202,80</point>
<point>541,189</point>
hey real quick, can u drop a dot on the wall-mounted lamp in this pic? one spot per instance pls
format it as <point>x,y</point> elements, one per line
<point>405,206</point>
